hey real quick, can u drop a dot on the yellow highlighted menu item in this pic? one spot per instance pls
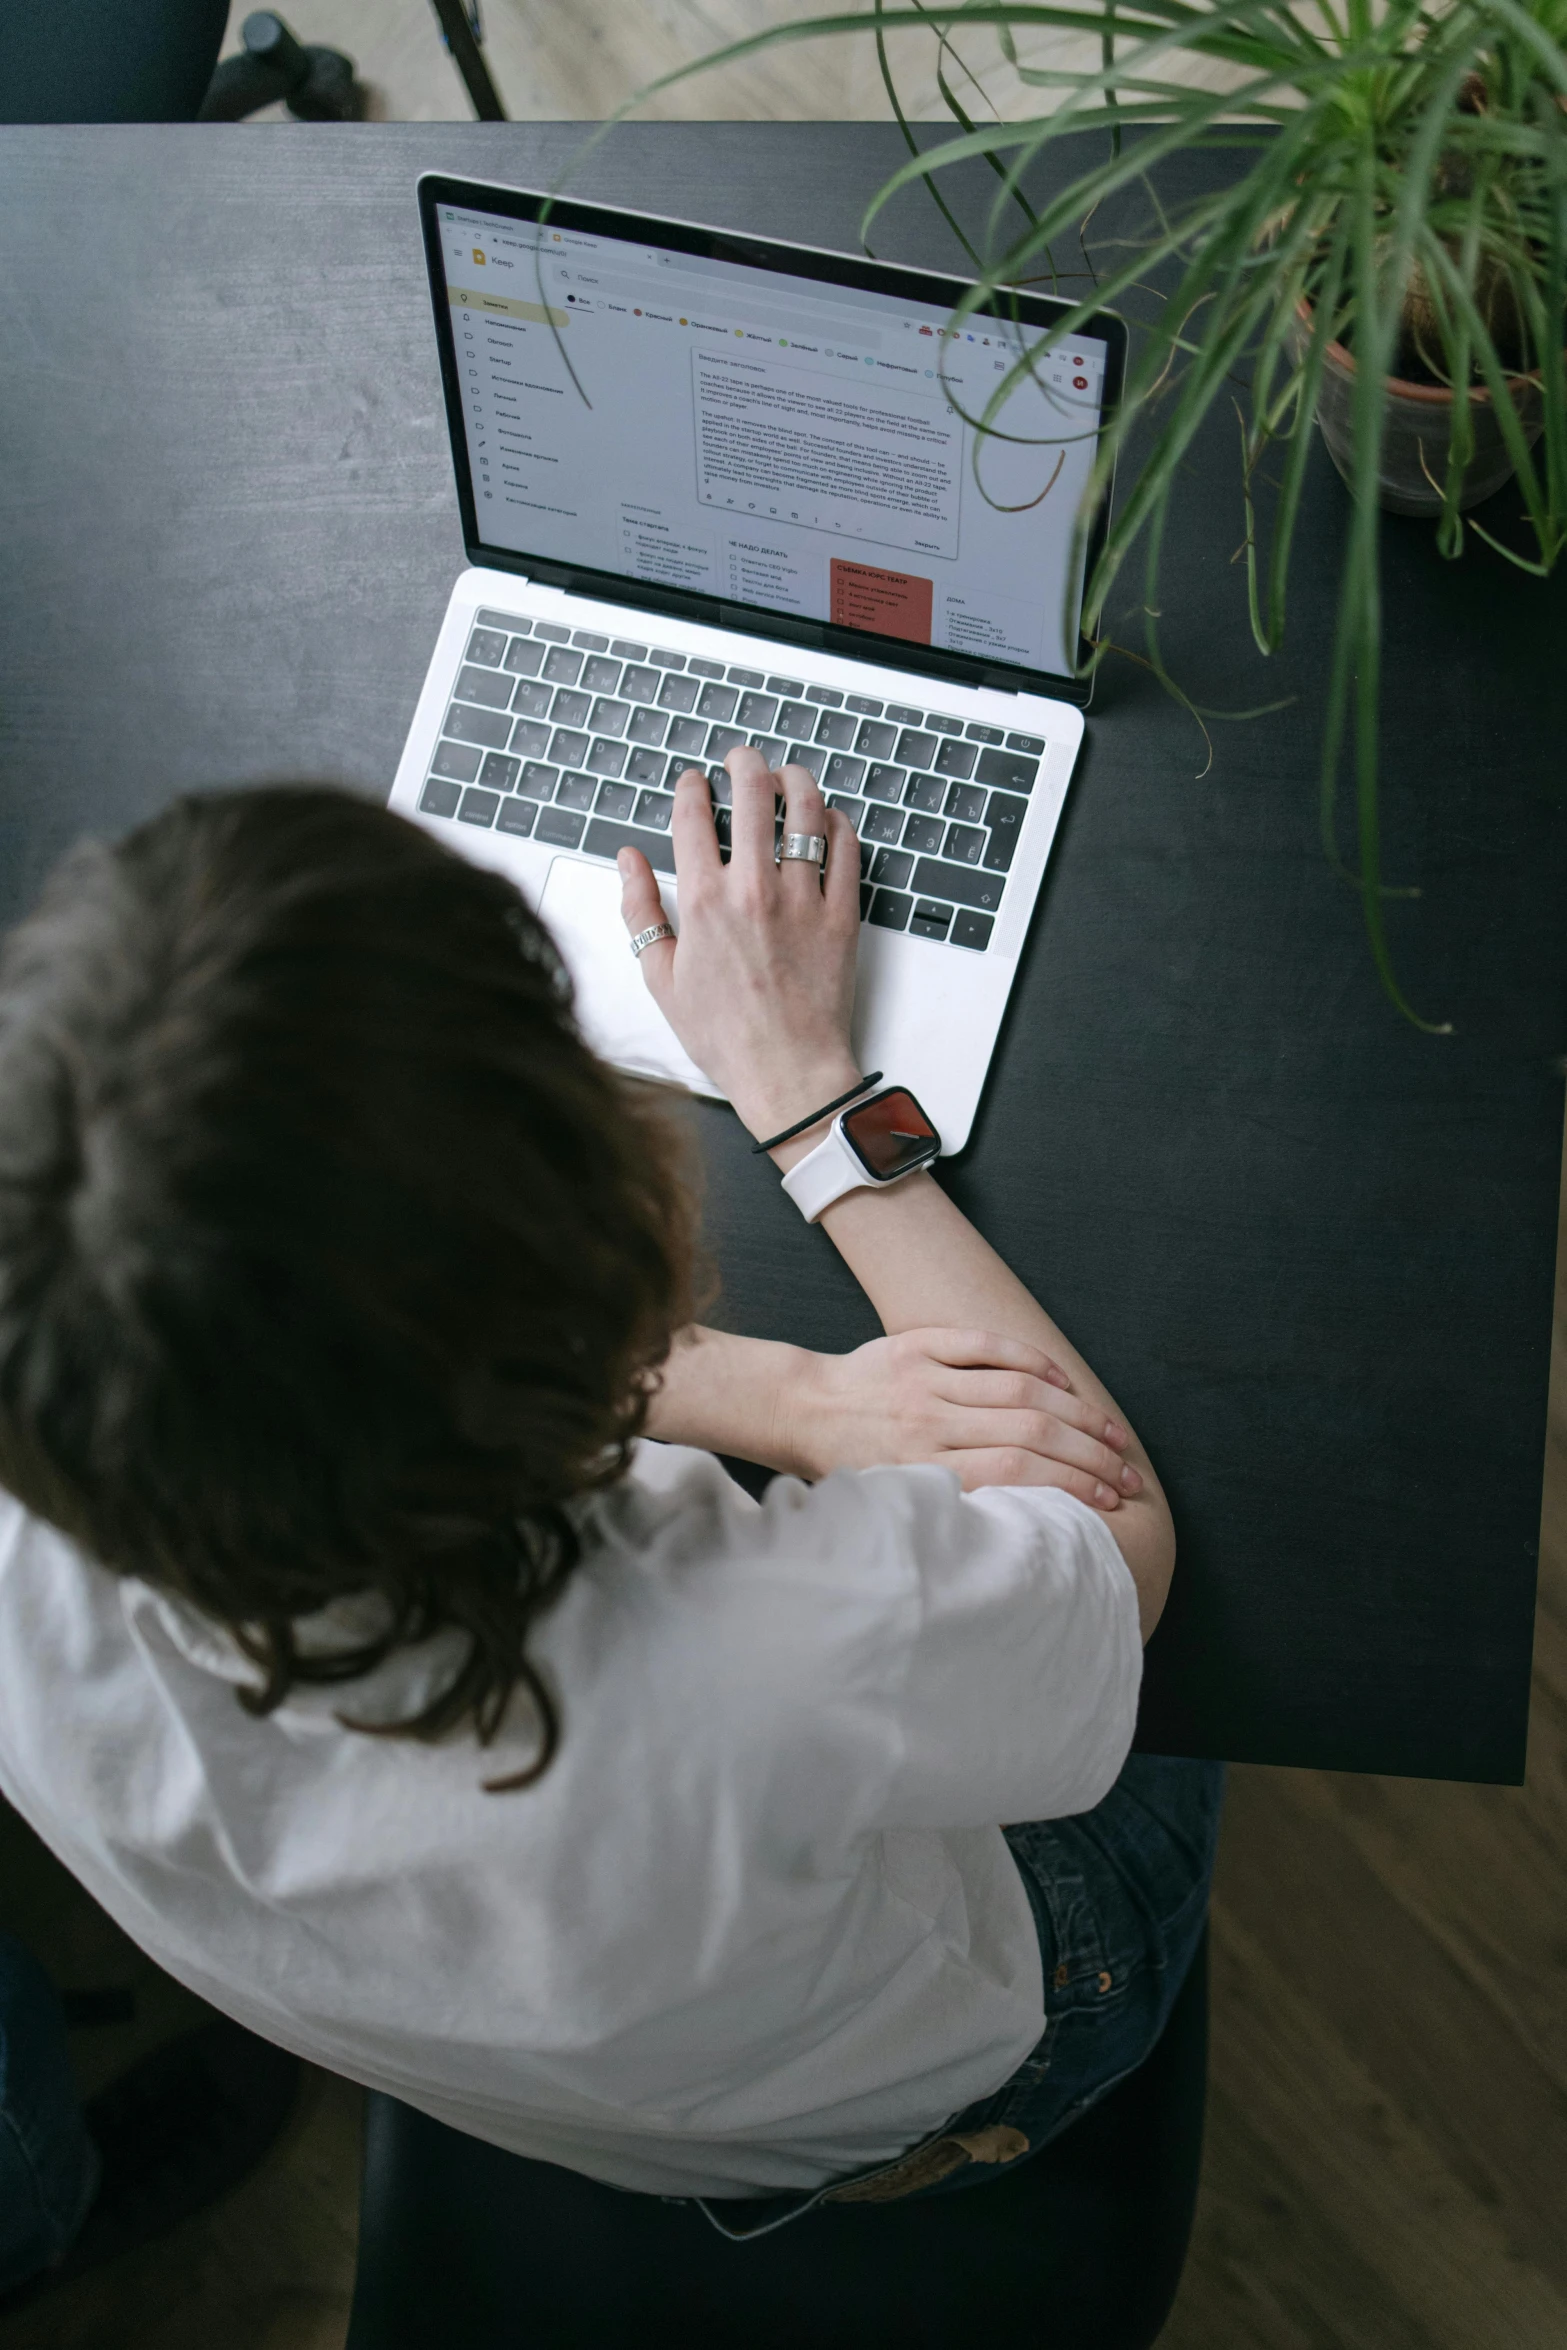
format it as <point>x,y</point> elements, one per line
<point>465,298</point>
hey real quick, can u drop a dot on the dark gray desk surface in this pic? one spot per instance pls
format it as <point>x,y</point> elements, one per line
<point>1310,1249</point>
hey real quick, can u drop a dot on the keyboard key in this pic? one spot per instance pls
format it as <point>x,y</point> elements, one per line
<point>971,930</point>
<point>758,713</point>
<point>825,695</point>
<point>468,725</point>
<point>853,809</point>
<point>925,792</point>
<point>718,783</point>
<point>561,667</point>
<point>723,740</point>
<point>875,741</point>
<point>861,707</point>
<point>924,834</point>
<point>885,783</point>
<point>537,782</point>
<point>654,809</point>
<point>929,920</point>
<point>439,798</point>
<point>892,867</point>
<point>1026,742</point>
<point>533,697</point>
<point>560,827</point>
<point>615,799</point>
<point>609,717</point>
<point>516,816</point>
<point>588,641</point>
<point>959,884</point>
<point>1006,771</point>
<point>646,767</point>
<point>459,760</point>
<point>498,772</point>
<point>890,910</point>
<point>600,676</point>
<point>667,660</point>
<point>843,774</point>
<point>606,840</point>
<point>790,687</point>
<point>916,750</point>
<point>624,652</point>
<point>550,633</point>
<point>679,693</point>
<point>836,729</point>
<point>569,748</point>
<point>1004,816</point>
<point>503,620</point>
<point>647,726</point>
<point>882,824</point>
<point>772,747</point>
<point>705,668</point>
<point>966,802</point>
<point>956,759</point>
<point>983,734</point>
<point>752,677</point>
<point>717,701</point>
<point>965,842</point>
<point>797,719</point>
<point>478,807</point>
<point>639,685</point>
<point>571,708</point>
<point>607,757</point>
<point>723,825</point>
<point>531,737</point>
<point>939,723</point>
<point>899,716</point>
<point>688,736</point>
<point>804,755</point>
<point>523,657</point>
<point>866,895</point>
<point>487,646</point>
<point>577,791</point>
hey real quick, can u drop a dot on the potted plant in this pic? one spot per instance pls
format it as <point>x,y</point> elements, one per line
<point>1389,258</point>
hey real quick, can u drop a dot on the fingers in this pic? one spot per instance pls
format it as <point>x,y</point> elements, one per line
<point>640,907</point>
<point>751,824</point>
<point>1006,1465</point>
<point>987,1349</point>
<point>804,811</point>
<point>1048,1436</point>
<point>692,831</point>
<point>1014,1391</point>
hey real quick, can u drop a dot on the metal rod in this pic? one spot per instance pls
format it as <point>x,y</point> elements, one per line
<point>465,49</point>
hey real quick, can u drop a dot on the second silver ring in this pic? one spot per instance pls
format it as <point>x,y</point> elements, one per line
<point>803,848</point>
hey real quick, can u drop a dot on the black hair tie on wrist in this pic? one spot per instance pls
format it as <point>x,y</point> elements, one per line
<point>826,1110</point>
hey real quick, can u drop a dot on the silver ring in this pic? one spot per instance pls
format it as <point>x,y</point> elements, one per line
<point>805,848</point>
<point>646,938</point>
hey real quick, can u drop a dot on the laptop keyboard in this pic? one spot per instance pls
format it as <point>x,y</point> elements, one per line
<point>575,739</point>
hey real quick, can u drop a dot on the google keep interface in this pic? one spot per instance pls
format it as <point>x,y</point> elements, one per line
<point>769,440</point>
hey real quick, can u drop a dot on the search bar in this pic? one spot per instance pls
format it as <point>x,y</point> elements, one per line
<point>739,309</point>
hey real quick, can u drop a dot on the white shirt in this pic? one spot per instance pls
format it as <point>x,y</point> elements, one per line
<point>757,1926</point>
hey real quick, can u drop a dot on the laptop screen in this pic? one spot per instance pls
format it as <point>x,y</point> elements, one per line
<point>769,441</point>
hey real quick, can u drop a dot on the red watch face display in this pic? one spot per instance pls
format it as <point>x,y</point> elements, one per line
<point>890,1134</point>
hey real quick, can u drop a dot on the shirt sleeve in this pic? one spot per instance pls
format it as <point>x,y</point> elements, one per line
<point>1020,1697</point>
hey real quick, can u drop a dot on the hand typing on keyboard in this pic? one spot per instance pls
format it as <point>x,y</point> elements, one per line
<point>760,985</point>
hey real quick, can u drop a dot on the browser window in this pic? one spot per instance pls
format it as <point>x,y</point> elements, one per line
<point>771,440</point>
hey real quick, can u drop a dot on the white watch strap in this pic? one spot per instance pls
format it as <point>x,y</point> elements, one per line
<point>824,1174</point>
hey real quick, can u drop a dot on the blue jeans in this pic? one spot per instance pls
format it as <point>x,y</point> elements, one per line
<point>1120,1896</point>
<point>48,2165</point>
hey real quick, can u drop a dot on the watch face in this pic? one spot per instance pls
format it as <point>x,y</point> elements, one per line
<point>890,1134</point>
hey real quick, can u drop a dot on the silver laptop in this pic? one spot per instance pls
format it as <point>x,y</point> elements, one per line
<point>717,490</point>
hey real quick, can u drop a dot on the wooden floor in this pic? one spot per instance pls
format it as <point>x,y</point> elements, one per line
<point>1387,2145</point>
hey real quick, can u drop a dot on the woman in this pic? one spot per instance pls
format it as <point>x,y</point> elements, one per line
<point>366,1660</point>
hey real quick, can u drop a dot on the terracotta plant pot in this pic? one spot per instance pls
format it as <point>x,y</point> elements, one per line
<point>1418,432</point>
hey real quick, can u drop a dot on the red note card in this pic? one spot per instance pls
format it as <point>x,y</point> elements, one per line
<point>894,603</point>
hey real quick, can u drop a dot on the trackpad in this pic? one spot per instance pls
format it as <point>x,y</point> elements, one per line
<point>581,907</point>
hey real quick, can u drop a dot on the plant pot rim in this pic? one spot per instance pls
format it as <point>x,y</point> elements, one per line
<point>1435,395</point>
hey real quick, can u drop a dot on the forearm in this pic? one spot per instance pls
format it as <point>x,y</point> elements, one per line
<point>920,1261</point>
<point>727,1394</point>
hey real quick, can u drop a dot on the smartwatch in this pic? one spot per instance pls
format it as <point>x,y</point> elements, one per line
<point>878,1140</point>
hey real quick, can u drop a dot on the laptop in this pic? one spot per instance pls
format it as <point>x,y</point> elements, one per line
<point>720,490</point>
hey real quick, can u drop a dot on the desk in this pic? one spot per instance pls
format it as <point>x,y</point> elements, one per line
<point>1310,1249</point>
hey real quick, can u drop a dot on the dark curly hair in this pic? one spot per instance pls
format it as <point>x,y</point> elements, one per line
<point>332,1262</point>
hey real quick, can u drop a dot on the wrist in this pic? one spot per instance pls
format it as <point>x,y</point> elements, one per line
<point>778,1099</point>
<point>793,1435</point>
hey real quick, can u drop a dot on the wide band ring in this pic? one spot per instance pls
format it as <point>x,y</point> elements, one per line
<point>646,938</point>
<point>804,848</point>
